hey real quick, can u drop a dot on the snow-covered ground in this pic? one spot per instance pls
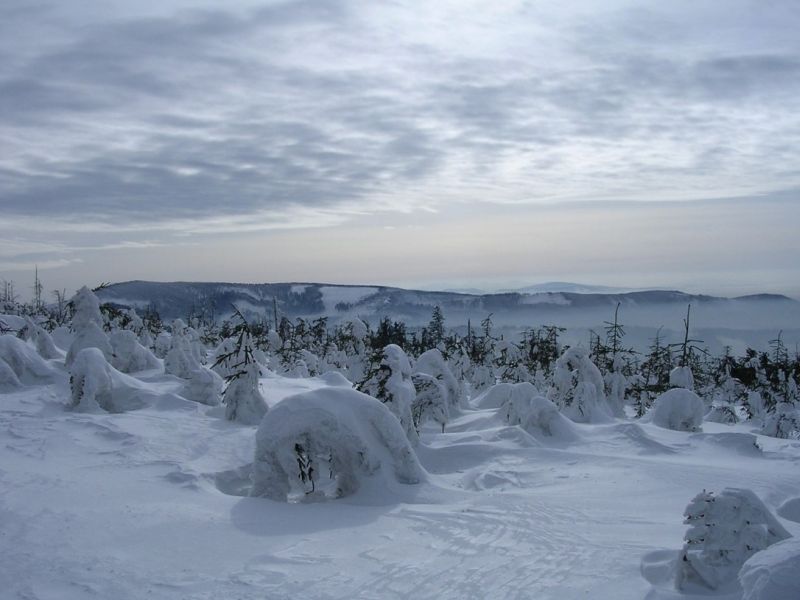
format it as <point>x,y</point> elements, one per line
<point>152,504</point>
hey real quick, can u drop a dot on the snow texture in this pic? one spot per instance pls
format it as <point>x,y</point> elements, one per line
<point>725,530</point>
<point>774,573</point>
<point>326,443</point>
<point>679,409</point>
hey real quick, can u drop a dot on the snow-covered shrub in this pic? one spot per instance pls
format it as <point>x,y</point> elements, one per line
<point>774,573</point>
<point>328,443</point>
<point>616,386</point>
<point>679,409</point>
<point>128,355</point>
<point>432,363</point>
<point>204,386</point>
<point>537,415</point>
<point>431,401</point>
<point>389,380</point>
<point>87,323</point>
<point>782,422</point>
<point>724,531</point>
<point>95,384</point>
<point>242,397</point>
<point>42,340</point>
<point>24,362</point>
<point>181,359</point>
<point>681,377</point>
<point>162,344</point>
<point>578,388</point>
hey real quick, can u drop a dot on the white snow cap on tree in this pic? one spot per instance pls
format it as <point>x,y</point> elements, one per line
<point>679,409</point>
<point>681,377</point>
<point>86,309</point>
<point>97,385</point>
<point>725,530</point>
<point>328,443</point>
<point>391,384</point>
<point>431,401</point>
<point>617,385</point>
<point>774,573</point>
<point>181,359</point>
<point>42,340</point>
<point>578,388</point>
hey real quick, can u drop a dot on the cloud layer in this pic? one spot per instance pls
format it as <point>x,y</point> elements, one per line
<point>144,123</point>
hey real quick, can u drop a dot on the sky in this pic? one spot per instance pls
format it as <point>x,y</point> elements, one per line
<point>424,144</point>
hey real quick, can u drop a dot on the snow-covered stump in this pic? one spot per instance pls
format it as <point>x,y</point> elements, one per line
<point>578,388</point>
<point>678,409</point>
<point>204,386</point>
<point>724,531</point>
<point>390,382</point>
<point>327,443</point>
<point>537,415</point>
<point>128,355</point>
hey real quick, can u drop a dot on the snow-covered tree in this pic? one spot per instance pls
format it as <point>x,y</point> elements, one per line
<point>578,388</point>
<point>242,397</point>
<point>431,401</point>
<point>433,363</point>
<point>725,530</point>
<point>678,409</point>
<point>327,443</point>
<point>389,380</point>
<point>87,323</point>
<point>128,355</point>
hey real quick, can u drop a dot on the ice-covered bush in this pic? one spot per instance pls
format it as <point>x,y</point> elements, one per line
<point>128,355</point>
<point>327,443</point>
<point>26,365</point>
<point>774,573</point>
<point>578,388</point>
<point>95,384</point>
<point>204,386</point>
<point>87,323</point>
<point>389,380</point>
<point>725,530</point>
<point>679,409</point>
<point>537,415</point>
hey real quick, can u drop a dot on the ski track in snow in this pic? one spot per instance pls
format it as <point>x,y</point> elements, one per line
<point>129,506</point>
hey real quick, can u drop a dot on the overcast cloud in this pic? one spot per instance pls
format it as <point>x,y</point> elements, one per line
<point>156,125</point>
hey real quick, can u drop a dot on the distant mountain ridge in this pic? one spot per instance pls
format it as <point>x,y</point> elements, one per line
<point>311,300</point>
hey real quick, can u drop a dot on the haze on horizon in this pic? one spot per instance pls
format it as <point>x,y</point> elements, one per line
<point>444,144</point>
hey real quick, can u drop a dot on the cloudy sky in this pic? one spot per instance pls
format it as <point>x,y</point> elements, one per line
<point>447,143</point>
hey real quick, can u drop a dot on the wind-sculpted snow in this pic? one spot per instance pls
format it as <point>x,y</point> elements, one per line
<point>22,363</point>
<point>326,442</point>
<point>774,573</point>
<point>679,409</point>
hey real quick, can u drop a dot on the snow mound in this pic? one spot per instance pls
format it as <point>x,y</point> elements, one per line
<point>790,510</point>
<point>326,443</point>
<point>725,530</point>
<point>537,415</point>
<point>204,386</point>
<point>774,573</point>
<point>495,396</point>
<point>679,409</point>
<point>335,379</point>
<point>681,377</point>
<point>26,365</point>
